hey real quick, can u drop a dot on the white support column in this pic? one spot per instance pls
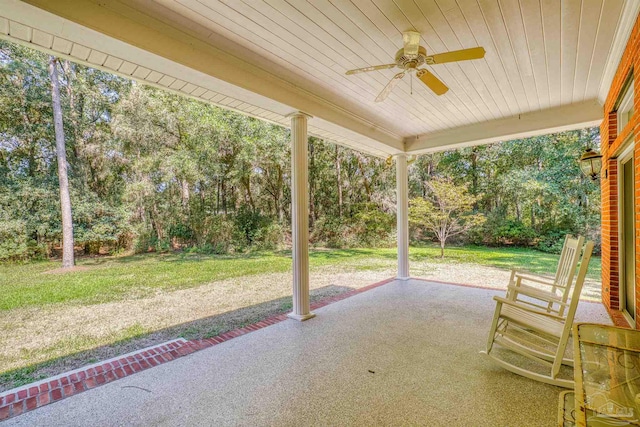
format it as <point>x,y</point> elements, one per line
<point>402,201</point>
<point>300,216</point>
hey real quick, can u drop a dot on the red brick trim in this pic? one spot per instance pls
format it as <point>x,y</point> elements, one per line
<point>611,142</point>
<point>618,319</point>
<point>32,396</point>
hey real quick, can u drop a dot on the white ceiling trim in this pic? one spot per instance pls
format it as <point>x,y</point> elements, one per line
<point>134,39</point>
<point>557,119</point>
<point>57,36</point>
<point>625,26</point>
<point>119,29</point>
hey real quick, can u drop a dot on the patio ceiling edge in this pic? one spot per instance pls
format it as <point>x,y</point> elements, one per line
<point>121,23</point>
<point>557,119</point>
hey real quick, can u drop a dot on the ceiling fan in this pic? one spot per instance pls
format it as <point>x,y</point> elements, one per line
<point>411,56</point>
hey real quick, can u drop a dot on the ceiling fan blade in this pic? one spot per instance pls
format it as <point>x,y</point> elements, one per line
<point>432,82</point>
<point>372,68</point>
<point>411,40</point>
<point>389,87</point>
<point>457,55</point>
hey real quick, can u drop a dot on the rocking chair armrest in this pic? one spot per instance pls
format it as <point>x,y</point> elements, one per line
<point>535,278</point>
<point>537,294</point>
<point>525,307</point>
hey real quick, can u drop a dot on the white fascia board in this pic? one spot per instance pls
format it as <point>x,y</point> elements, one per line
<point>114,28</point>
<point>628,19</point>
<point>551,120</point>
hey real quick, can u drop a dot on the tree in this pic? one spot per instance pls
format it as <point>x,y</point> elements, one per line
<point>63,178</point>
<point>446,211</point>
<point>149,169</point>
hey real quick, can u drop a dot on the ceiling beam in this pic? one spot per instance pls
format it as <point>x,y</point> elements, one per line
<point>558,119</point>
<point>123,23</point>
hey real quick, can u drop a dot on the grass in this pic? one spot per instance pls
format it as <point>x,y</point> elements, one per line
<point>149,291</point>
<point>117,278</point>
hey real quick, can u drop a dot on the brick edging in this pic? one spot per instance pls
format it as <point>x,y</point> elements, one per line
<point>27,398</point>
<point>618,318</point>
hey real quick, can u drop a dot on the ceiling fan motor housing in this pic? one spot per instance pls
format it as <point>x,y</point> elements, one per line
<point>411,62</point>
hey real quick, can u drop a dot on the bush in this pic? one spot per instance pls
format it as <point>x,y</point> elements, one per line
<point>515,232</point>
<point>148,241</point>
<point>371,227</point>
<point>13,240</point>
<point>182,231</point>
<point>269,237</point>
<point>329,231</point>
<point>207,248</point>
<point>97,225</point>
<point>367,226</point>
<point>212,233</point>
<point>498,230</point>
<point>252,228</point>
<point>552,241</point>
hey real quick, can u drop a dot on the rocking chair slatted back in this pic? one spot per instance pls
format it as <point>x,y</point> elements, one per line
<point>536,323</point>
<point>568,262</point>
<point>567,268</point>
<point>560,287</point>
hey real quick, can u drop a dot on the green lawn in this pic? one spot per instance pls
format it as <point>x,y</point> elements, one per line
<point>89,329</point>
<point>117,278</point>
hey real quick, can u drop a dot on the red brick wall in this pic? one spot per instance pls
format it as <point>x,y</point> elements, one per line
<point>611,145</point>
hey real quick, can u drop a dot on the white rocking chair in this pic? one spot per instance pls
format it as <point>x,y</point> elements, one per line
<point>534,319</point>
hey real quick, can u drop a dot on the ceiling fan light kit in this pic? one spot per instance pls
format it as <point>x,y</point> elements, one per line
<point>412,56</point>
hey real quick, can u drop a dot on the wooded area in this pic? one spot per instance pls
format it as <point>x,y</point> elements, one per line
<point>150,170</point>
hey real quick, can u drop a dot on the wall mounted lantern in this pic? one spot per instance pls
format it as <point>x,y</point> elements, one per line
<point>591,163</point>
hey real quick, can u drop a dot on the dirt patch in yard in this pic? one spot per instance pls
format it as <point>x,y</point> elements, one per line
<point>73,269</point>
<point>55,339</point>
<point>74,335</point>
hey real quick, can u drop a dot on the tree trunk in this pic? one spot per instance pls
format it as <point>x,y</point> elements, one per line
<point>312,185</point>
<point>441,248</point>
<point>186,195</point>
<point>224,196</point>
<point>474,175</point>
<point>63,179</point>
<point>533,218</point>
<point>280,197</point>
<point>246,183</point>
<point>218,195</point>
<point>338,175</point>
<point>365,181</point>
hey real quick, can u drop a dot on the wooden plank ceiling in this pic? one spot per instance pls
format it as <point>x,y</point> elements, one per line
<point>540,53</point>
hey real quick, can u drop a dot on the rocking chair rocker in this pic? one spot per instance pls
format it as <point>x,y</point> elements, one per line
<point>534,319</point>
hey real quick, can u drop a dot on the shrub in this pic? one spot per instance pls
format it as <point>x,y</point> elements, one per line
<point>498,230</point>
<point>552,241</point>
<point>515,232</point>
<point>269,237</point>
<point>13,240</point>
<point>367,225</point>
<point>329,231</point>
<point>97,225</point>
<point>370,226</point>
<point>250,226</point>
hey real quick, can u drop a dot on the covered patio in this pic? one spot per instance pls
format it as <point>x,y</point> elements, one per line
<point>372,359</point>
<point>402,353</point>
<point>548,67</point>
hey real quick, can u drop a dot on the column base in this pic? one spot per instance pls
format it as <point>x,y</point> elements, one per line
<point>301,317</point>
<point>403,278</point>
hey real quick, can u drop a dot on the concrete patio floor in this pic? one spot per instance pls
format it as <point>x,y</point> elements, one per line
<point>405,353</point>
